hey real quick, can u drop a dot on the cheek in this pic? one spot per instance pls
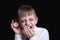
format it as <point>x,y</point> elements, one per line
<point>22,25</point>
<point>33,23</point>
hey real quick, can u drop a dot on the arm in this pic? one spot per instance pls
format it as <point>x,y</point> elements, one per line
<point>18,37</point>
<point>17,31</point>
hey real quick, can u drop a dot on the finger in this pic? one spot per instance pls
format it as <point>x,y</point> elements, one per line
<point>31,31</point>
<point>12,23</point>
<point>28,31</point>
<point>25,33</point>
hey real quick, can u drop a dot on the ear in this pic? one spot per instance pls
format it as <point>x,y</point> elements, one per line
<point>36,20</point>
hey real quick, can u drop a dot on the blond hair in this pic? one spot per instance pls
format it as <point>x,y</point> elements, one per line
<point>26,8</point>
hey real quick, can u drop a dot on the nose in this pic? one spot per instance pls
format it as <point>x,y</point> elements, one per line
<point>27,23</point>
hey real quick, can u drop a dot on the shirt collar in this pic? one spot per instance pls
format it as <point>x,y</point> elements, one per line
<point>35,29</point>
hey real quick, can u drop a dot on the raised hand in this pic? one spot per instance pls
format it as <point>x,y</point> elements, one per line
<point>28,32</point>
<point>16,30</point>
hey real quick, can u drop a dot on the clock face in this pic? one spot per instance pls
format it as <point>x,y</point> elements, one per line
<point>15,24</point>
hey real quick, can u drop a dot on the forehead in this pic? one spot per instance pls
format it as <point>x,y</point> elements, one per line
<point>28,17</point>
<point>26,14</point>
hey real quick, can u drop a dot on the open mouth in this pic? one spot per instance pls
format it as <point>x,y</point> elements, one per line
<point>30,27</point>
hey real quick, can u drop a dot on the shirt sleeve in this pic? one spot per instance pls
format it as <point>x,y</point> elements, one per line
<point>18,37</point>
<point>45,35</point>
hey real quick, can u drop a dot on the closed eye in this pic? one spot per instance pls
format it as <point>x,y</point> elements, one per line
<point>31,19</point>
<point>22,21</point>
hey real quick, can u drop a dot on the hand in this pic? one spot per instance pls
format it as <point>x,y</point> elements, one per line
<point>16,30</point>
<point>28,32</point>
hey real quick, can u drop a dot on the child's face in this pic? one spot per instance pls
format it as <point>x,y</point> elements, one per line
<point>29,20</point>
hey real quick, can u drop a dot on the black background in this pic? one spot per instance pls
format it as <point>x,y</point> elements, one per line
<point>47,12</point>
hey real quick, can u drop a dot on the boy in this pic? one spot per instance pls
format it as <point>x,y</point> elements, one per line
<point>27,28</point>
